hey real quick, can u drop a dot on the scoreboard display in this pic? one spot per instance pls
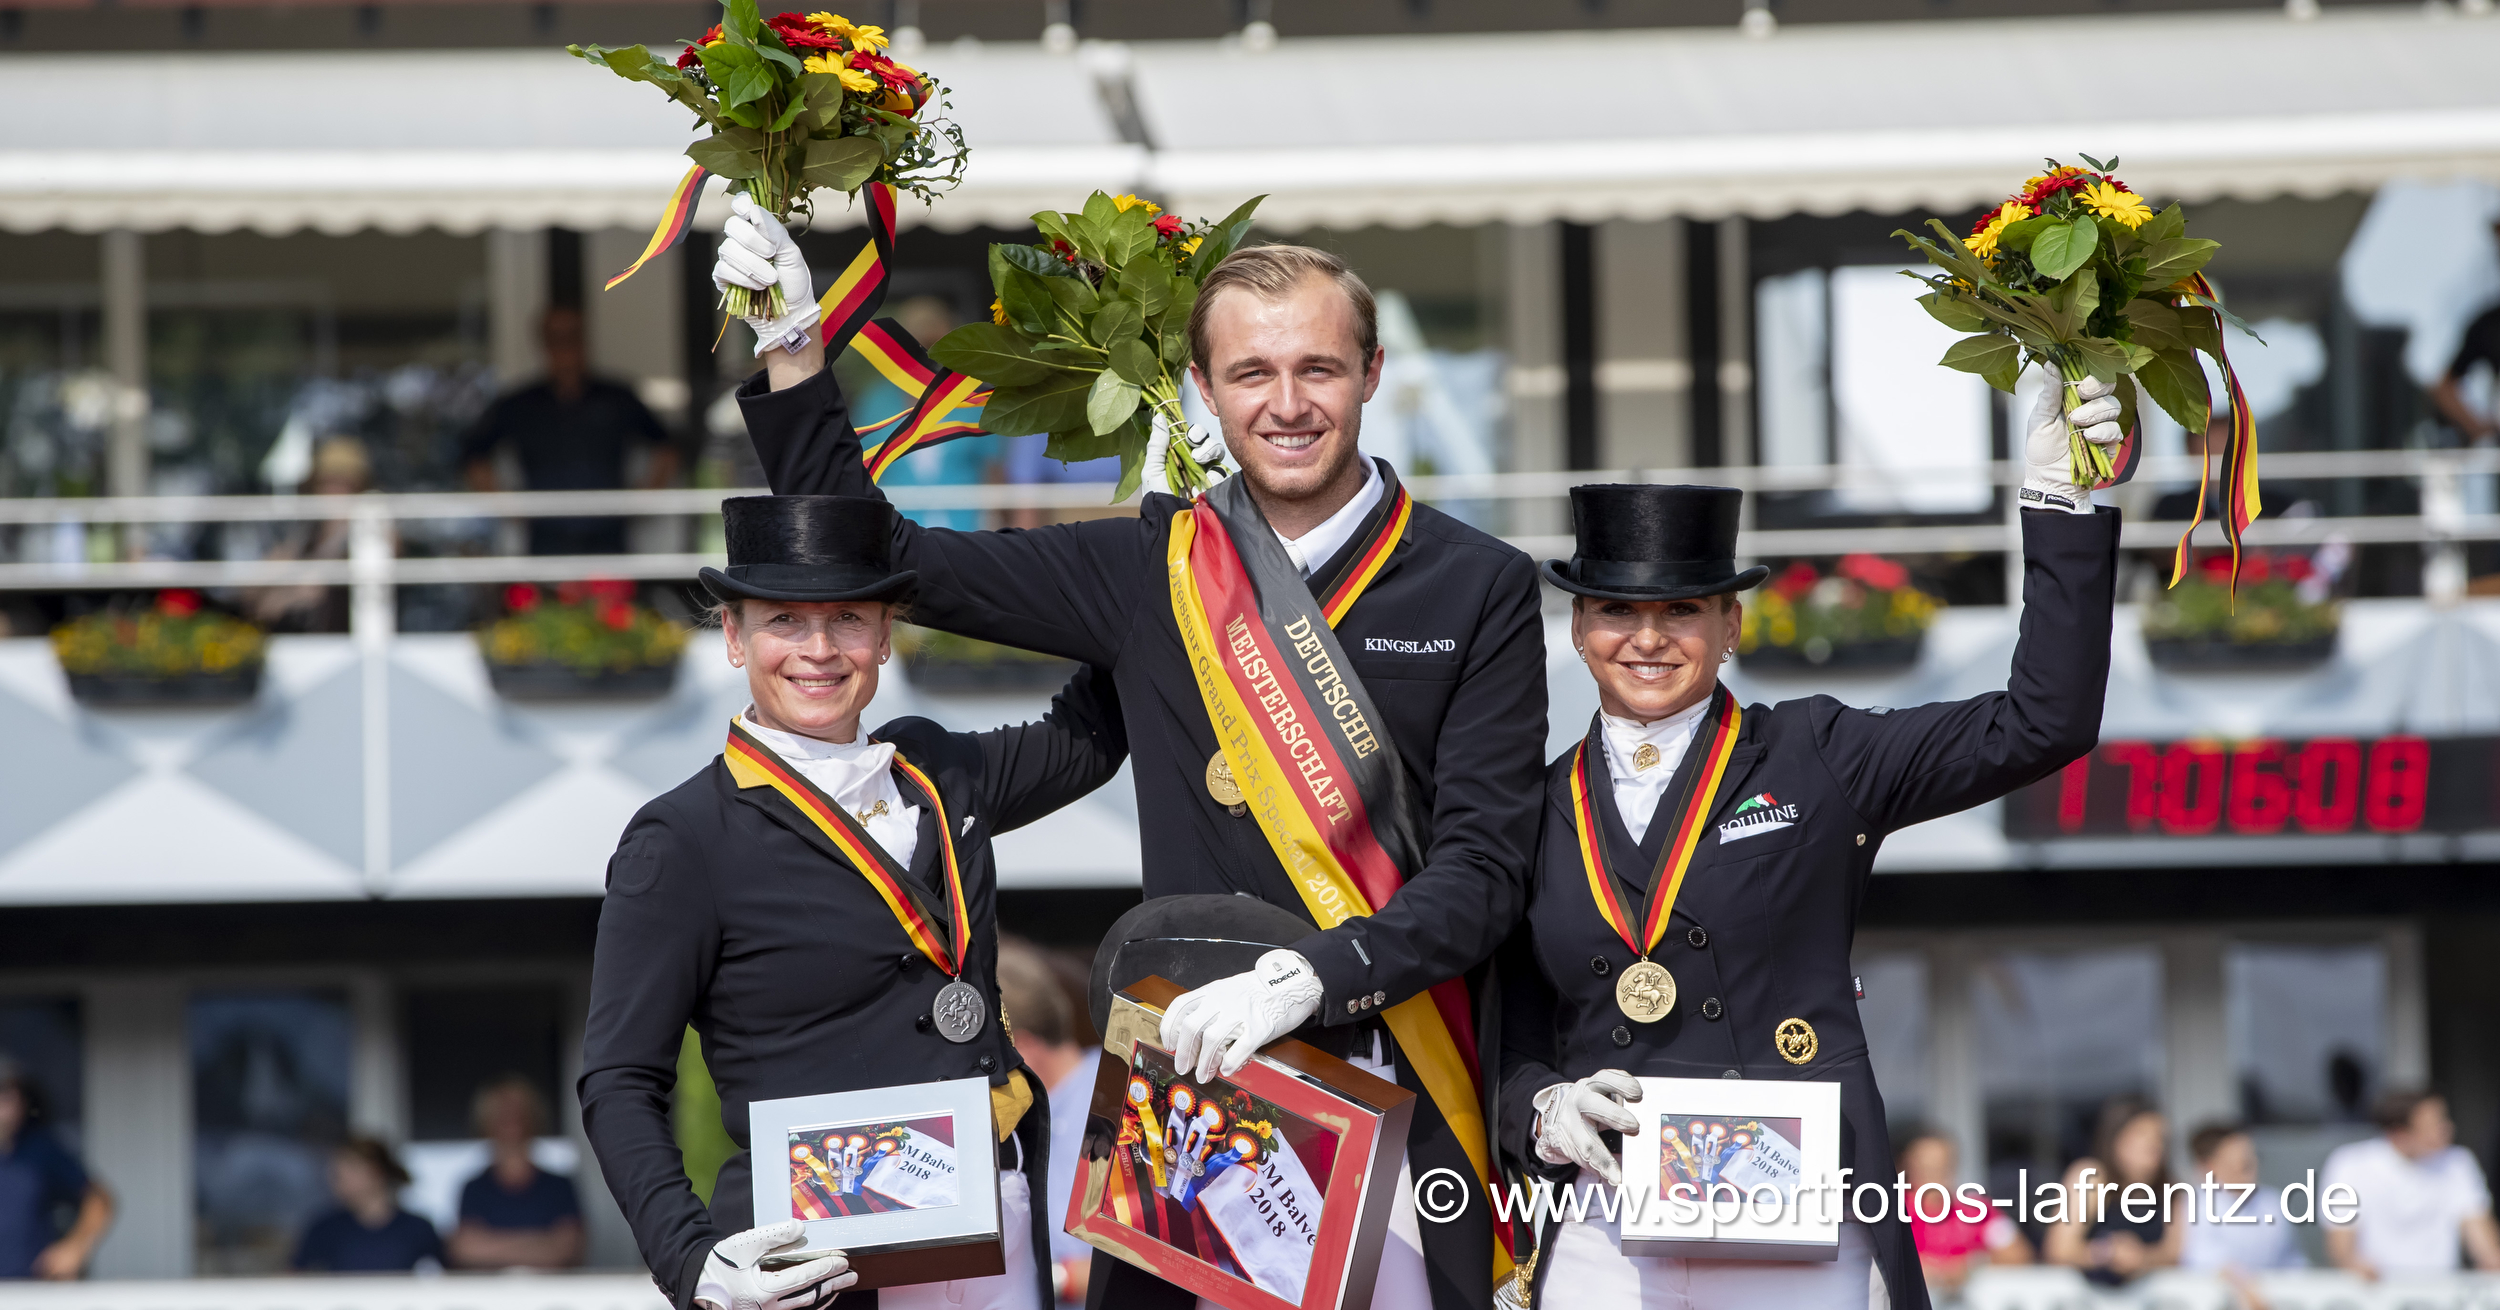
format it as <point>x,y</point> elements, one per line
<point>2266,787</point>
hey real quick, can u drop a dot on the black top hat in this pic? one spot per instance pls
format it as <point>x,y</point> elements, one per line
<point>1646,542</point>
<point>809,548</point>
<point>1192,941</point>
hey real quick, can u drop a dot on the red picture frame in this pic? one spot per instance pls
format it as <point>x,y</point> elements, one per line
<point>1207,1191</point>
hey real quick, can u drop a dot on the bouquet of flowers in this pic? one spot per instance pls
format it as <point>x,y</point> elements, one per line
<point>794,103</point>
<point>589,627</point>
<point>1089,336</point>
<point>2077,271</point>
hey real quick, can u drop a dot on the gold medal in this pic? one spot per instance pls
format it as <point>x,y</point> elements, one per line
<point>1645,991</point>
<point>1795,1040</point>
<point>1645,758</point>
<point>1220,784</point>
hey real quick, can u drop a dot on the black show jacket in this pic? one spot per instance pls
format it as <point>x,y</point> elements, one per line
<point>728,910</point>
<point>1762,928</point>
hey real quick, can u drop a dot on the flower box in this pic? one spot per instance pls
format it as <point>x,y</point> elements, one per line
<point>1864,617</point>
<point>166,691</point>
<point>2220,654</point>
<point>562,682</point>
<point>1881,655</point>
<point>2277,619</point>
<point>589,641</point>
<point>173,653</point>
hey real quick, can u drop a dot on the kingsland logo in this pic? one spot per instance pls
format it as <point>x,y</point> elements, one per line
<point>1758,813</point>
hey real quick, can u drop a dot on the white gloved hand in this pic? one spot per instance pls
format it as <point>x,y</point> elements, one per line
<point>1569,1117</point>
<point>734,1277</point>
<point>2048,459</point>
<point>1206,449</point>
<point>758,253</point>
<point>1225,1022</point>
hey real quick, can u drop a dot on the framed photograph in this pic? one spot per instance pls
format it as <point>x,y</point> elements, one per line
<point>1269,1190</point>
<point>902,1179</point>
<point>1735,1169</point>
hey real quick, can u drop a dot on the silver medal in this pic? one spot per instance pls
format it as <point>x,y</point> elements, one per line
<point>959,1011</point>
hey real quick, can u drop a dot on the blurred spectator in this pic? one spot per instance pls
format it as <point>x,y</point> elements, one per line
<point>515,1214</point>
<point>1028,462</point>
<point>2481,347</point>
<point>570,432</point>
<point>2422,1197</point>
<point>2245,1236</point>
<point>367,1232</point>
<point>2105,1235</point>
<point>1049,1021</point>
<point>340,468</point>
<point>1949,1248</point>
<point>39,1180</point>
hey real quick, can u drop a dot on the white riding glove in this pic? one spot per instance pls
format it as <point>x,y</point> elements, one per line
<point>1225,1022</point>
<point>2048,461</point>
<point>734,1277</point>
<point>1569,1117</point>
<point>1205,448</point>
<point>758,253</point>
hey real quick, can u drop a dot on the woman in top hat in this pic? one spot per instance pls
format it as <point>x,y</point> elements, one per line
<point>1701,863</point>
<point>818,903</point>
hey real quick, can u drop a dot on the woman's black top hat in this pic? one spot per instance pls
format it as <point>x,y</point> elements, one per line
<point>809,548</point>
<point>1637,541</point>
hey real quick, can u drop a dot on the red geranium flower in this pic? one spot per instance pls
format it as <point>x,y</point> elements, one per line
<point>687,58</point>
<point>1795,580</point>
<point>2217,568</point>
<point>1168,226</point>
<point>614,591</point>
<point>799,34</point>
<point>2257,569</point>
<point>617,616</point>
<point>1875,571</point>
<point>2298,568</point>
<point>520,598</point>
<point>178,603</point>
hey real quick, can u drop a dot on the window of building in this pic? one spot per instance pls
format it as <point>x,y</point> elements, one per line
<point>459,1040</point>
<point>2060,1033</point>
<point>269,1086</point>
<point>1894,1013</point>
<point>2307,1025</point>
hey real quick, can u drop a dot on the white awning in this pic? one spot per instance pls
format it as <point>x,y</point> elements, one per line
<point>1398,131</point>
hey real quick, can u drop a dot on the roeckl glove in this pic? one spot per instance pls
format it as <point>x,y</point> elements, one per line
<point>1205,448</point>
<point>1224,1023</point>
<point>758,253</point>
<point>734,1277</point>
<point>1569,1117</point>
<point>2048,461</point>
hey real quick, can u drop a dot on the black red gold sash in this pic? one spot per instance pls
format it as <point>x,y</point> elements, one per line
<point>1706,766</point>
<point>1312,755</point>
<point>2240,502</point>
<point>942,933</point>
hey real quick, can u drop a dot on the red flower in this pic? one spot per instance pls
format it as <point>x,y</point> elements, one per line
<point>1168,226</point>
<point>2297,568</point>
<point>2257,568</point>
<point>178,604</point>
<point>1795,580</point>
<point>571,593</point>
<point>614,591</point>
<point>618,616</point>
<point>687,58</point>
<point>2217,568</point>
<point>1875,571</point>
<point>799,34</point>
<point>2048,186</point>
<point>520,598</point>
<point>885,70</point>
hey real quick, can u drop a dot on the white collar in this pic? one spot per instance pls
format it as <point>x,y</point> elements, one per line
<point>1320,544</point>
<point>1625,736</point>
<point>861,755</point>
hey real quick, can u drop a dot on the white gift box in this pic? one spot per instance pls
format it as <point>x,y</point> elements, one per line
<point>1734,1169</point>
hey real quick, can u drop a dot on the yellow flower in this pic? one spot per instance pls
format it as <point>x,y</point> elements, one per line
<point>1127,203</point>
<point>2110,202</point>
<point>1983,242</point>
<point>1190,247</point>
<point>853,80</point>
<point>998,312</point>
<point>861,36</point>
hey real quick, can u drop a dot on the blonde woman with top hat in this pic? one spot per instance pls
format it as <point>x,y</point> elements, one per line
<point>1732,844</point>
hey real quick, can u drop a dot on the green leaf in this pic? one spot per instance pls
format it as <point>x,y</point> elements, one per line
<point>1120,320</point>
<point>2165,262</point>
<point>776,53</point>
<point>1223,239</point>
<point>1132,474</point>
<point>1989,356</point>
<point>2020,234</point>
<point>721,156</point>
<point>997,355</point>
<point>1111,402</point>
<point>2061,248</point>
<point>1135,363</point>
<point>2155,324</point>
<point>2137,354</point>
<point>789,114</point>
<point>1074,295</point>
<point>633,63</point>
<point>1148,284</point>
<point>1054,404</point>
<point>1174,348</point>
<point>1050,224</point>
<point>2162,226</point>
<point>738,71</point>
<point>1081,444</point>
<point>2176,382</point>
<point>843,163</point>
<point>2200,330</point>
<point>2101,357</point>
<point>1953,312</point>
<point>739,19</point>
<point>1037,261</point>
<point>1023,296</point>
<point>1100,212</point>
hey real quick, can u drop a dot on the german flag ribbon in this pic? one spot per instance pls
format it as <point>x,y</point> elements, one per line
<point>674,221</point>
<point>2240,502</point>
<point>1703,769</point>
<point>942,933</point>
<point>1314,761</point>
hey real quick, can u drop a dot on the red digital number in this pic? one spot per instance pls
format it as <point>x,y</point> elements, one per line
<point>2261,801</point>
<point>2074,788</point>
<point>2191,787</point>
<point>2400,774</point>
<point>2143,766</point>
<point>2326,784</point>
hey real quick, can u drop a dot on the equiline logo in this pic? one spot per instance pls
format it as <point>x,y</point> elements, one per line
<point>1756,814</point>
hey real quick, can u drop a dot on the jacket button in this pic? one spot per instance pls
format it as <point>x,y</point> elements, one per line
<point>924,1023</point>
<point>909,962</point>
<point>1699,939</point>
<point>1352,1006</point>
<point>1710,1009</point>
<point>1598,966</point>
<point>1861,839</point>
<point>1622,1035</point>
<point>989,1063</point>
<point>1731,1074</point>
